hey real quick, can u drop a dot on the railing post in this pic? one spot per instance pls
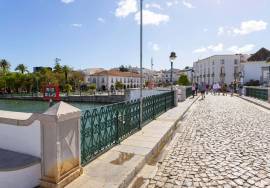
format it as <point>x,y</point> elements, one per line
<point>268,95</point>
<point>153,106</point>
<point>117,127</point>
<point>165,103</point>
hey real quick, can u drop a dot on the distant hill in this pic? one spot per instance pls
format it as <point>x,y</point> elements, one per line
<point>262,55</point>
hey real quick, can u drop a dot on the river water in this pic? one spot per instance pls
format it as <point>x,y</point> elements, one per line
<point>38,106</point>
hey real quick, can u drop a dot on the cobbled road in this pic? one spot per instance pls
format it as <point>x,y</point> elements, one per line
<point>224,142</point>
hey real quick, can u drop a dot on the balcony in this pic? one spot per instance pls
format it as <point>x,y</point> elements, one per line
<point>222,74</point>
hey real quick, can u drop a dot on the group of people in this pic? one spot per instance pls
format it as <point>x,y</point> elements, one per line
<point>215,89</point>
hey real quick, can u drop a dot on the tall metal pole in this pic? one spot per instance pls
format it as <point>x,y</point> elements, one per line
<point>171,75</point>
<point>141,61</point>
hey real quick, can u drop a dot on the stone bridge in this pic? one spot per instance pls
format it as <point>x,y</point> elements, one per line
<point>223,141</point>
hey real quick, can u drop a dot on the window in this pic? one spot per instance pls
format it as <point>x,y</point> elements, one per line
<point>103,80</point>
<point>94,80</point>
<point>235,61</point>
<point>222,61</point>
<point>213,63</point>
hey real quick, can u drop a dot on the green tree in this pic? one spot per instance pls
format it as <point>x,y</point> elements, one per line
<point>58,68</point>
<point>21,68</point>
<point>66,70</point>
<point>122,68</point>
<point>4,65</point>
<point>119,85</point>
<point>183,80</point>
<point>92,88</point>
<point>68,88</point>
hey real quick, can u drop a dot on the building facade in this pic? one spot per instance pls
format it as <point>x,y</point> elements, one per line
<point>266,76</point>
<point>219,68</point>
<point>106,80</point>
<point>252,70</point>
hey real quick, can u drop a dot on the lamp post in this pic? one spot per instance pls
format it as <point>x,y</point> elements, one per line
<point>141,61</point>
<point>172,58</point>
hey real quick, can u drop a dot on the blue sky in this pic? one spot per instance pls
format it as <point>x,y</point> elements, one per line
<point>105,33</point>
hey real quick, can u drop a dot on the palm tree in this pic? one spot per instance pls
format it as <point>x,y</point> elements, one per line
<point>66,69</point>
<point>21,68</point>
<point>58,68</point>
<point>5,65</point>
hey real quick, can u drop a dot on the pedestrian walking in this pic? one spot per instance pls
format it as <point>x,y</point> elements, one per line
<point>202,88</point>
<point>196,88</point>
<point>218,88</point>
<point>231,88</point>
<point>193,89</point>
<point>224,89</point>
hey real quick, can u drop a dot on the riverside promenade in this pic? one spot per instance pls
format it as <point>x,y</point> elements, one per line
<point>222,142</point>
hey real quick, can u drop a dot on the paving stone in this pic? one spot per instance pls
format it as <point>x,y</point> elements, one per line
<point>222,142</point>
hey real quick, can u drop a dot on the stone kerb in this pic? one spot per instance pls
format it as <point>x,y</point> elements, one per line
<point>60,145</point>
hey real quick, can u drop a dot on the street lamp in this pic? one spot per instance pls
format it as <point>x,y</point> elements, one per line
<point>141,62</point>
<point>172,58</point>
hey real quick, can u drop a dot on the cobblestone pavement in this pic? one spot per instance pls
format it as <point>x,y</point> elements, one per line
<point>225,142</point>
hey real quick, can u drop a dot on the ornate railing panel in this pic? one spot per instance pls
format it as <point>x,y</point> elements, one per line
<point>259,93</point>
<point>103,127</point>
<point>188,91</point>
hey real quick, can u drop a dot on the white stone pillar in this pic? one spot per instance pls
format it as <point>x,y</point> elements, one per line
<point>61,153</point>
<point>245,91</point>
<point>175,98</point>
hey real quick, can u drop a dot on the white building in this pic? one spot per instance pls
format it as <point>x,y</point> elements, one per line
<point>252,70</point>
<point>165,75</point>
<point>106,80</point>
<point>266,75</point>
<point>88,72</point>
<point>218,68</point>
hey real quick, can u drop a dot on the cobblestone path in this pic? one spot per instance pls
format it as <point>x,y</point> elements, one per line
<point>225,142</point>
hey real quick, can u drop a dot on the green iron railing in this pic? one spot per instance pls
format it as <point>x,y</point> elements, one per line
<point>188,91</point>
<point>259,93</point>
<point>104,127</point>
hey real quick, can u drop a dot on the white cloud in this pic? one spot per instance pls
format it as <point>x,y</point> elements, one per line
<point>205,30</point>
<point>216,48</point>
<point>213,48</point>
<point>245,28</point>
<point>244,49</point>
<point>67,1</point>
<point>250,27</point>
<point>151,18</point>
<point>76,25</point>
<point>221,31</point>
<point>102,20</point>
<point>200,50</point>
<point>153,5</point>
<point>171,3</point>
<point>126,7</point>
<point>153,46</point>
<point>187,4</point>
<point>156,47</point>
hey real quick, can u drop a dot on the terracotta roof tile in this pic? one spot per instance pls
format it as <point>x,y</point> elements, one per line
<point>117,73</point>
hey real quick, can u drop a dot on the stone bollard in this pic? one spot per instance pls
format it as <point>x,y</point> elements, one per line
<point>61,158</point>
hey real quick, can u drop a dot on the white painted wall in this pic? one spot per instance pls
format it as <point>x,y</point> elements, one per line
<point>23,139</point>
<point>253,70</point>
<point>24,178</point>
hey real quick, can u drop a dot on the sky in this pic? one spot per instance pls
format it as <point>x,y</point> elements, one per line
<point>105,33</point>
